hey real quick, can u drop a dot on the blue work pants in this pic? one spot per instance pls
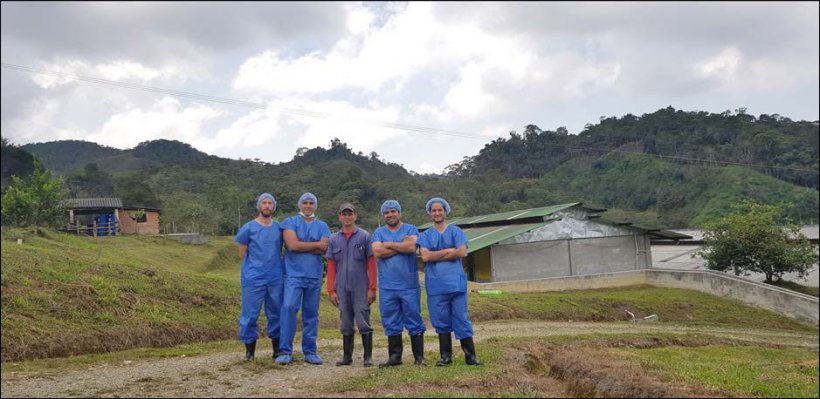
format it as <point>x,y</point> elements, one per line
<point>253,296</point>
<point>304,293</point>
<point>401,308</point>
<point>448,313</point>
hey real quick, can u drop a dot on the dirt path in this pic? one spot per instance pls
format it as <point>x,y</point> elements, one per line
<point>225,375</point>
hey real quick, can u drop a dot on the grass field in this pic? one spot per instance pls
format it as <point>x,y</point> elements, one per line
<point>66,295</point>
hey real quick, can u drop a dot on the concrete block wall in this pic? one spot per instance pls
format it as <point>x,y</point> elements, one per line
<point>793,304</point>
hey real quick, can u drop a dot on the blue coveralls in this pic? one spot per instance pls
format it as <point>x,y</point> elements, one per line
<point>303,284</point>
<point>446,283</point>
<point>399,289</point>
<point>261,278</point>
<point>352,281</point>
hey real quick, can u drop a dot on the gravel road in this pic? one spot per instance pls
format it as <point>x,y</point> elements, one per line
<point>223,374</point>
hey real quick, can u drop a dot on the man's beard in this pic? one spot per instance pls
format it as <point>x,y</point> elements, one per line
<point>393,222</point>
<point>266,214</point>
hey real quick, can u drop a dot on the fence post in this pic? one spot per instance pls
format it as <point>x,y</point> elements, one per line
<point>95,227</point>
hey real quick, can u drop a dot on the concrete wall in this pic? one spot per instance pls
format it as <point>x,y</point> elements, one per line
<point>559,258</point>
<point>530,260</point>
<point>793,304</point>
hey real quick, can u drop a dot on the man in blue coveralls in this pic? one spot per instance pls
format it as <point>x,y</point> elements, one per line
<point>260,247</point>
<point>306,241</point>
<point>399,291</point>
<point>442,247</point>
<point>351,282</point>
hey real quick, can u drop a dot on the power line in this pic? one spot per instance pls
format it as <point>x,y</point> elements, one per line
<point>241,103</point>
<point>390,125</point>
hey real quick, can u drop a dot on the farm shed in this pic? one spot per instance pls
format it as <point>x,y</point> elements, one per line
<point>553,241</point>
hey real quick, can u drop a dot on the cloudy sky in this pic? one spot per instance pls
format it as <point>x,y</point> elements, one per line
<point>422,84</point>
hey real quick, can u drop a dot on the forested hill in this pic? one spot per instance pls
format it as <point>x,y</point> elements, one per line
<point>669,168</point>
<point>691,137</point>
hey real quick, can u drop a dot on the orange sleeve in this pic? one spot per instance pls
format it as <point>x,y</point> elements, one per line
<point>331,276</point>
<point>371,272</point>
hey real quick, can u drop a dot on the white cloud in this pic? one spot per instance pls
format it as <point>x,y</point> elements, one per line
<point>362,128</point>
<point>257,128</point>
<point>117,70</point>
<point>359,18</point>
<point>166,119</point>
<point>467,97</point>
<point>721,66</point>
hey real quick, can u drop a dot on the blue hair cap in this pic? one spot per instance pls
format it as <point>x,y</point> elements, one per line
<point>391,204</point>
<point>264,196</point>
<point>307,196</point>
<point>441,201</point>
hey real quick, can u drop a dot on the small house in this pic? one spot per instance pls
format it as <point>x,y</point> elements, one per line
<point>108,216</point>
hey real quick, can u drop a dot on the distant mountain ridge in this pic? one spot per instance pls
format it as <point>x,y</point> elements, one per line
<point>637,166</point>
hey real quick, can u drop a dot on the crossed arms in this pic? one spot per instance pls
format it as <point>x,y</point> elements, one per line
<point>444,254</point>
<point>387,249</point>
<point>293,244</point>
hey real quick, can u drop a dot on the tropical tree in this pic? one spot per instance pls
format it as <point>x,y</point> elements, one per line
<point>751,240</point>
<point>34,200</point>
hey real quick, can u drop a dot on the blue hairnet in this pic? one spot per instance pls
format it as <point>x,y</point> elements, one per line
<point>263,196</point>
<point>307,196</point>
<point>440,201</point>
<point>390,204</point>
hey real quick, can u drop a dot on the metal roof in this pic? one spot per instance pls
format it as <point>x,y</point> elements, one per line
<point>506,216</point>
<point>93,203</point>
<point>485,230</point>
<point>482,237</point>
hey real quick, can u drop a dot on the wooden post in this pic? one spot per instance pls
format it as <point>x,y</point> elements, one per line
<point>78,228</point>
<point>95,228</point>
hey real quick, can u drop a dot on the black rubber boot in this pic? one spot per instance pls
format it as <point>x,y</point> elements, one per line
<point>469,352</point>
<point>347,347</point>
<point>445,346</point>
<point>394,349</point>
<point>367,343</point>
<point>250,349</point>
<point>417,343</point>
<point>274,342</point>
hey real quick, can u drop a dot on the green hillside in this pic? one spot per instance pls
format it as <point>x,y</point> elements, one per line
<point>669,168</point>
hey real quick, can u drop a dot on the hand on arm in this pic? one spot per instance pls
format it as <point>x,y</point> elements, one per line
<point>407,246</point>
<point>293,244</point>
<point>434,256</point>
<point>380,251</point>
<point>321,246</point>
<point>456,253</point>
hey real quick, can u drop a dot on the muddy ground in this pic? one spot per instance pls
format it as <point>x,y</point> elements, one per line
<point>530,369</point>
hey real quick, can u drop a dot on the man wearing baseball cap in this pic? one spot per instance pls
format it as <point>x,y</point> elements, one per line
<point>351,282</point>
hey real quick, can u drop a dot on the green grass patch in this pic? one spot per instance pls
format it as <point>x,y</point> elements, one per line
<point>805,289</point>
<point>64,295</point>
<point>489,352</point>
<point>747,371</point>
<point>610,304</point>
<point>81,361</point>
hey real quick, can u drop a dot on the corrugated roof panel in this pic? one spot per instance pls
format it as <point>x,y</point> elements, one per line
<point>511,215</point>
<point>482,237</point>
<point>92,203</point>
